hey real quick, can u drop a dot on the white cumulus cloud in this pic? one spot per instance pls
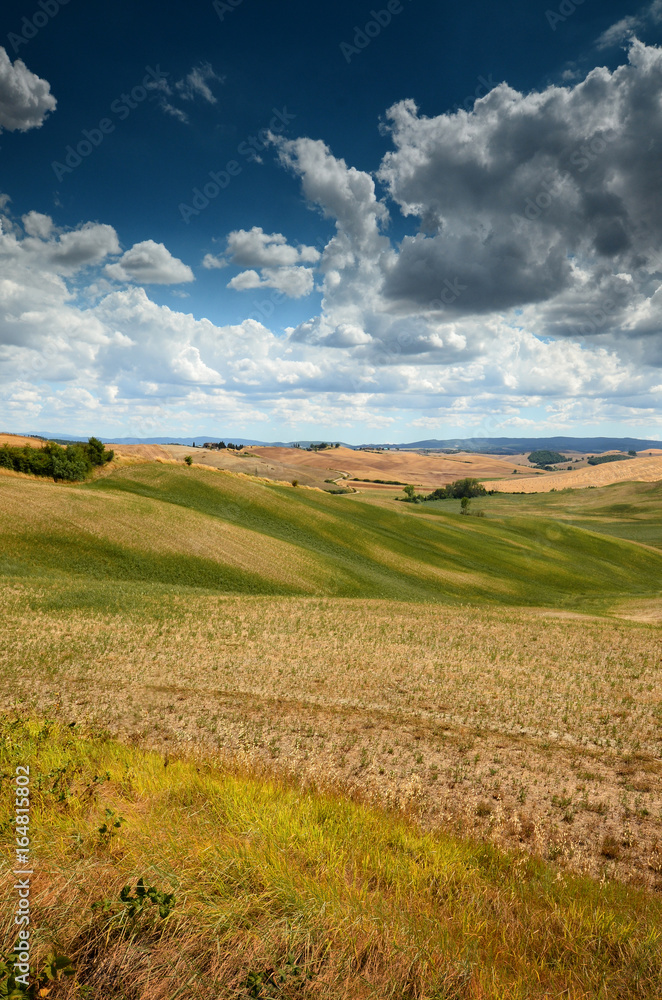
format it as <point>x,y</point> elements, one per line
<point>150,263</point>
<point>25,99</point>
<point>281,265</point>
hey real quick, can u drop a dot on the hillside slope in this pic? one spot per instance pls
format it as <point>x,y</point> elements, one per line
<point>647,469</point>
<point>172,526</point>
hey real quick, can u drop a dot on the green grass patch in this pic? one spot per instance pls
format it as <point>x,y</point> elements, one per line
<point>631,511</point>
<point>342,548</point>
<point>99,559</point>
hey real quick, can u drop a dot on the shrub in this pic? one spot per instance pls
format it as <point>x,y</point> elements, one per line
<point>601,459</point>
<point>546,457</point>
<point>70,464</point>
<point>466,488</point>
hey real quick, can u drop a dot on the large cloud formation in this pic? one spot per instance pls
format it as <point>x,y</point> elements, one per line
<point>545,203</point>
<point>549,199</point>
<point>528,286</point>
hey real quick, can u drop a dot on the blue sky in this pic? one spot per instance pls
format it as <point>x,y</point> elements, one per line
<point>393,221</point>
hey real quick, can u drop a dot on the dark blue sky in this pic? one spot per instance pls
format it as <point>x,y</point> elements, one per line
<point>254,58</point>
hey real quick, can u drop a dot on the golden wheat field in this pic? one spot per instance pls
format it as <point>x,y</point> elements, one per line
<point>647,469</point>
<point>337,464</point>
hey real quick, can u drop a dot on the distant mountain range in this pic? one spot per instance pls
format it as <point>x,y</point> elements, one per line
<point>189,442</point>
<point>489,446</point>
<point>515,446</point>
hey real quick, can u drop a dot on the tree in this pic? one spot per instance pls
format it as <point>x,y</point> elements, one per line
<point>71,464</point>
<point>467,488</point>
<point>96,451</point>
<point>188,460</point>
<point>546,457</point>
<point>632,453</point>
<point>295,482</point>
<point>441,493</point>
<point>464,504</point>
<point>411,493</point>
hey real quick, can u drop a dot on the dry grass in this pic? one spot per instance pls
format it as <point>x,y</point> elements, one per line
<point>338,464</point>
<point>284,892</point>
<point>19,440</point>
<point>537,730</point>
<point>430,470</point>
<point>643,470</point>
<point>555,720</point>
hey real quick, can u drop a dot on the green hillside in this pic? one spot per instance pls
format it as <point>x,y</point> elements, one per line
<point>154,525</point>
<point>623,510</point>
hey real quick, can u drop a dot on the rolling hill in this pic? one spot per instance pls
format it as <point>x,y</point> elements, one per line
<point>647,469</point>
<point>165,525</point>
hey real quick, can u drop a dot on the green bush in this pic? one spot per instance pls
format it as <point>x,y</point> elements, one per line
<point>601,459</point>
<point>545,457</point>
<point>458,490</point>
<point>70,464</point>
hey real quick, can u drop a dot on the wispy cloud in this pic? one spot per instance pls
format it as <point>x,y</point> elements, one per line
<point>170,109</point>
<point>196,83</point>
<point>629,25</point>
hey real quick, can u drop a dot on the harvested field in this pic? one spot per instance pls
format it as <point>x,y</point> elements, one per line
<point>18,441</point>
<point>380,647</point>
<point>535,731</point>
<point>647,469</point>
<point>427,470</point>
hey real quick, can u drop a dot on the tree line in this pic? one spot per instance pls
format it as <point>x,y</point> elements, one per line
<point>72,463</point>
<point>459,490</point>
